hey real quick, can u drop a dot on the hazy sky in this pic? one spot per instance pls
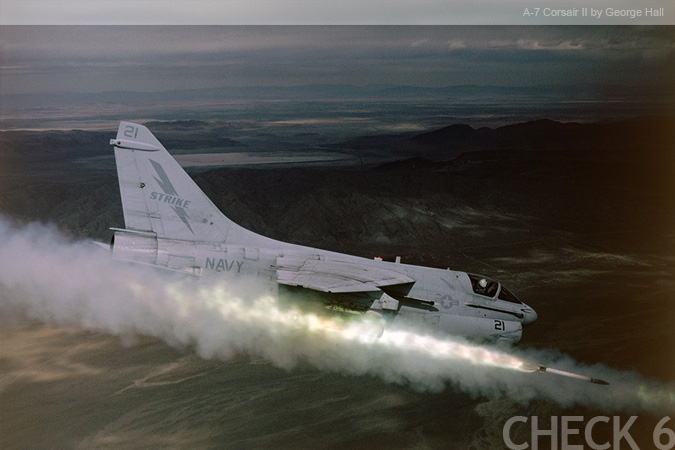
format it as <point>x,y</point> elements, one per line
<point>333,12</point>
<point>155,58</point>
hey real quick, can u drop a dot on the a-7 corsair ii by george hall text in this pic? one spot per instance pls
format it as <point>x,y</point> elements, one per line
<point>171,224</point>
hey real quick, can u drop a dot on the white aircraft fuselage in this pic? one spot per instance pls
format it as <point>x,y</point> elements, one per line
<point>171,224</point>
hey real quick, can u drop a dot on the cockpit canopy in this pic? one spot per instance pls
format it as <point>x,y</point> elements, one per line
<point>490,288</point>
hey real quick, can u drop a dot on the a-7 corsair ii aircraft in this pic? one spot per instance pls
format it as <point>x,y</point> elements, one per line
<point>170,223</point>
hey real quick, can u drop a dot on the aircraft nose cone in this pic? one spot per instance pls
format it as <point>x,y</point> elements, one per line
<point>530,315</point>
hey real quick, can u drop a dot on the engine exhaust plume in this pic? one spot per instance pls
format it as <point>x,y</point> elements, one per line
<point>46,277</point>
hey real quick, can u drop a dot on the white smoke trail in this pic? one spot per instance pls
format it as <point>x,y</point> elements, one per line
<point>44,276</point>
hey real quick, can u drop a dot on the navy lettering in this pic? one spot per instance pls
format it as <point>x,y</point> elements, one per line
<point>222,265</point>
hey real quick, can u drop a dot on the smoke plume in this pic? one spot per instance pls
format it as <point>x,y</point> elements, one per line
<point>45,276</point>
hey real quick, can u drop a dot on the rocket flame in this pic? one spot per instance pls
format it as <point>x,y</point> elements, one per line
<point>265,312</point>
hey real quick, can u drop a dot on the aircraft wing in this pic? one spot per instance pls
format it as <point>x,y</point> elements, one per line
<point>336,276</point>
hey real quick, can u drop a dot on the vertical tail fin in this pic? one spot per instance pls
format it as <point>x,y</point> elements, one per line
<point>159,196</point>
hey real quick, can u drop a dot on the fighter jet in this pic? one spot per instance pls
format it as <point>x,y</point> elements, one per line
<point>171,224</point>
